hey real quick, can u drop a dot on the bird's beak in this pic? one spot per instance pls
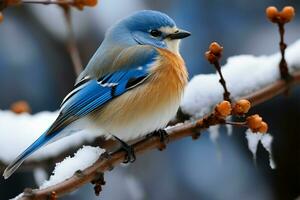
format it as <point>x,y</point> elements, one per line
<point>180,34</point>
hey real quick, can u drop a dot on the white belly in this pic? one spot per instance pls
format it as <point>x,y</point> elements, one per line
<point>138,125</point>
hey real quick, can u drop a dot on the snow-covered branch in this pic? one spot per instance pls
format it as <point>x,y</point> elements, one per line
<point>260,82</point>
<point>246,76</point>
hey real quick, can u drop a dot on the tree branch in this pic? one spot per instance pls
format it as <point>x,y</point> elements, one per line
<point>178,132</point>
<point>105,164</point>
<point>71,43</point>
<point>255,98</point>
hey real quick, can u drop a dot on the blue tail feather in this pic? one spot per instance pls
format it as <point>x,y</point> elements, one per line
<point>41,141</point>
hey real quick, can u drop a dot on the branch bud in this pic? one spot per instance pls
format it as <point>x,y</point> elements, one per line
<point>215,48</point>
<point>284,16</point>
<point>287,14</point>
<point>241,107</point>
<point>214,52</point>
<point>223,109</point>
<point>81,3</point>
<point>20,107</point>
<point>263,128</point>
<point>1,17</point>
<point>254,121</point>
<point>272,13</point>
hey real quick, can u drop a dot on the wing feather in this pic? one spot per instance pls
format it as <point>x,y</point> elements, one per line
<point>90,95</point>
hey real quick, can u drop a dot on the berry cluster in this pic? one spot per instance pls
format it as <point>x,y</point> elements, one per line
<point>214,52</point>
<point>256,124</point>
<point>240,108</point>
<point>283,16</point>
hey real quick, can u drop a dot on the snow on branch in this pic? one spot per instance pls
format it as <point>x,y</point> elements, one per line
<point>83,158</point>
<point>250,77</point>
<point>257,93</point>
<point>257,78</point>
<point>18,131</point>
<point>244,75</point>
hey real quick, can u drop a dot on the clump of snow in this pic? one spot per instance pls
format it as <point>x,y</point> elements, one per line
<point>229,127</point>
<point>244,74</point>
<point>83,158</point>
<point>214,133</point>
<point>40,175</point>
<point>253,139</point>
<point>18,131</point>
<point>265,139</point>
<point>17,197</point>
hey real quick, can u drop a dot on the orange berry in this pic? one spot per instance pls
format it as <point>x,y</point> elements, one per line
<point>263,128</point>
<point>287,13</point>
<point>254,122</point>
<point>210,57</point>
<point>90,2</point>
<point>20,107</point>
<point>215,48</point>
<point>1,17</point>
<point>223,109</point>
<point>242,107</point>
<point>13,2</point>
<point>81,3</point>
<point>272,13</point>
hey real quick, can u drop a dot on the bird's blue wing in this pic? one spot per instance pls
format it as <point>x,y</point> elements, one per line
<point>90,95</point>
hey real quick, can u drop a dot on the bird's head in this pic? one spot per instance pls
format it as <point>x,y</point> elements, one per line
<point>147,28</point>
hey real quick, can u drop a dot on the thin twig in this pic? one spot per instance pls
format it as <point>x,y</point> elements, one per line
<point>213,56</point>
<point>226,94</point>
<point>64,2</point>
<point>284,71</point>
<point>71,43</point>
<point>241,124</point>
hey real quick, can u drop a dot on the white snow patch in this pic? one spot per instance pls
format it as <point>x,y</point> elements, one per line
<point>265,139</point>
<point>18,131</point>
<point>229,127</point>
<point>253,139</point>
<point>40,175</point>
<point>214,133</point>
<point>83,158</point>
<point>244,74</point>
<point>17,197</point>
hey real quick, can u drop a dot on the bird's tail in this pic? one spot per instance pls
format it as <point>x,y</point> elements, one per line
<point>41,141</point>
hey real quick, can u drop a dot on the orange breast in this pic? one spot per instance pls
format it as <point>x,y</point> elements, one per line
<point>152,103</point>
<point>171,69</point>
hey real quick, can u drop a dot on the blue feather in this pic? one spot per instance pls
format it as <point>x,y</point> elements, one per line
<point>41,141</point>
<point>134,64</point>
<point>91,94</point>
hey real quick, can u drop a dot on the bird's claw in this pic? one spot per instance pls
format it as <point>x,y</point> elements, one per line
<point>130,155</point>
<point>163,138</point>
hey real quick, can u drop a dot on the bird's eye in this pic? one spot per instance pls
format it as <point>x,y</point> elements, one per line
<point>155,33</point>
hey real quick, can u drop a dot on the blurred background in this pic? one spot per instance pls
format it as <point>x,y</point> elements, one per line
<point>36,67</point>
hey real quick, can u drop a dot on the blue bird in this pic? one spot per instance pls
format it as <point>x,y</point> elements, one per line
<point>132,85</point>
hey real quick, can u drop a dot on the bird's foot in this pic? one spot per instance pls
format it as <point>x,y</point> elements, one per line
<point>163,138</point>
<point>130,155</point>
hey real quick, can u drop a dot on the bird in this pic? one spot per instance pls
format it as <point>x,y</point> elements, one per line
<point>131,86</point>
